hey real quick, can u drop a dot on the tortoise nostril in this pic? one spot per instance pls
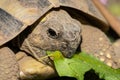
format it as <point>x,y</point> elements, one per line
<point>52,33</point>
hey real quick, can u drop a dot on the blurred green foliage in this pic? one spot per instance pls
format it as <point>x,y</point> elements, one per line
<point>115,9</point>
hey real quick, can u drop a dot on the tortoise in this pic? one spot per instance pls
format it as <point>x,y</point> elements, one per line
<point>93,41</point>
<point>24,15</point>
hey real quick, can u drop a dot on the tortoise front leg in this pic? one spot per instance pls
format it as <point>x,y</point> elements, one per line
<point>8,65</point>
<point>31,69</point>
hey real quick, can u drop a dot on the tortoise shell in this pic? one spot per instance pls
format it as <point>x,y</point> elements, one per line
<point>16,15</point>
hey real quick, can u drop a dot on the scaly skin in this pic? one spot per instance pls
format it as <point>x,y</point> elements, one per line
<point>56,31</point>
<point>116,56</point>
<point>18,15</point>
<point>95,42</point>
<point>8,65</point>
<point>31,69</point>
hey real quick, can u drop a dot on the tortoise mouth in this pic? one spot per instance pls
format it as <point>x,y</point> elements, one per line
<point>69,51</point>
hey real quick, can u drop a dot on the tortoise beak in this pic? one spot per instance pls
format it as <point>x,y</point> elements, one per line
<point>72,43</point>
<point>68,53</point>
<point>70,48</point>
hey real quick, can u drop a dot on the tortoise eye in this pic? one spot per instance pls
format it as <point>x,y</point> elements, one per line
<point>52,33</point>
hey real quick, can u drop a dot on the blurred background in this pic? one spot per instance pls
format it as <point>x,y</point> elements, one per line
<point>113,6</point>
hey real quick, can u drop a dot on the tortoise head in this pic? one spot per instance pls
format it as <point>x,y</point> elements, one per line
<point>56,31</point>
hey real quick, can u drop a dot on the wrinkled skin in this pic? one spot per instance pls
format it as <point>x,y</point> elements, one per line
<point>42,38</point>
<point>94,42</point>
<point>56,31</point>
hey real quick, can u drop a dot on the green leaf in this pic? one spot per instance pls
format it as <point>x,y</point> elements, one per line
<point>81,63</point>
